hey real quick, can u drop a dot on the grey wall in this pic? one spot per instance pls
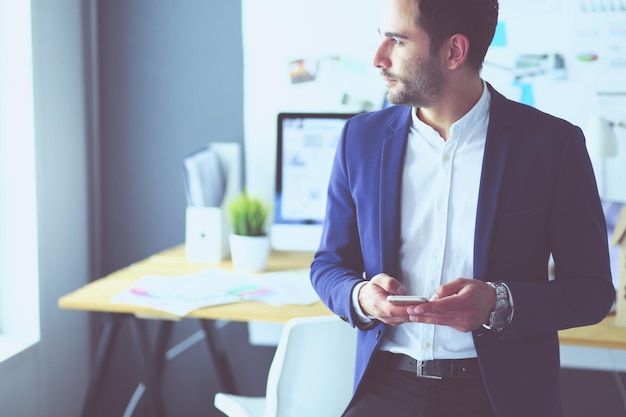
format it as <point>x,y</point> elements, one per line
<point>49,378</point>
<point>171,81</point>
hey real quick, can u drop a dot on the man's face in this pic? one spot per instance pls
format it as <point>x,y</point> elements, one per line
<point>413,76</point>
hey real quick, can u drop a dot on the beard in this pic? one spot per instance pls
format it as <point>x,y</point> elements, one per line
<point>419,88</point>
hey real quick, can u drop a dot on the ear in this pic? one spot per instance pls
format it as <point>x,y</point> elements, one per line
<point>456,50</point>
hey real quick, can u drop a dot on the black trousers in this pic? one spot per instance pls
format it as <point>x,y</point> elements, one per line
<point>386,392</point>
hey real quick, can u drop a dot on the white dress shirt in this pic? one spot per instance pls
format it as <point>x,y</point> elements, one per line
<point>440,186</point>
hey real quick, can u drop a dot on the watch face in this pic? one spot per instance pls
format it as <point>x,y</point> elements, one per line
<point>501,317</point>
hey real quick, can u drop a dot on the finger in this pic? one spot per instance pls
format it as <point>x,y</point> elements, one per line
<point>452,287</point>
<point>373,301</point>
<point>454,322</point>
<point>463,311</point>
<point>446,306</point>
<point>389,284</point>
<point>459,318</point>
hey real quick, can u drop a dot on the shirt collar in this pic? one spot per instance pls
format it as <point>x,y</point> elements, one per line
<point>478,113</point>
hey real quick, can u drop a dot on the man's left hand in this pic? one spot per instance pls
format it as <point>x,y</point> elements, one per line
<point>463,304</point>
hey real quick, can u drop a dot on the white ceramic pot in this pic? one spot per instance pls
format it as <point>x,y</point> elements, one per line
<point>249,253</point>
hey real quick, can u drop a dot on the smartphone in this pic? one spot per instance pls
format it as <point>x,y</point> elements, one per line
<point>406,299</point>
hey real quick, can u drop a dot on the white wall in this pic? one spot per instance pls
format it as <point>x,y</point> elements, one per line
<point>18,212</point>
<point>278,31</point>
<point>591,37</point>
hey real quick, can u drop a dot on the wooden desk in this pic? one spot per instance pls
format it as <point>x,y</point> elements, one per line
<point>95,297</point>
<point>602,335</point>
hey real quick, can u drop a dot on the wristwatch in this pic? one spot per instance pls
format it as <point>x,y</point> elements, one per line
<point>502,314</point>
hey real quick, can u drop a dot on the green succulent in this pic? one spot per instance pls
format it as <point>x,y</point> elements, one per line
<point>248,215</point>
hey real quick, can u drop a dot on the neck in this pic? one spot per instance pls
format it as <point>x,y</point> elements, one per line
<point>457,99</point>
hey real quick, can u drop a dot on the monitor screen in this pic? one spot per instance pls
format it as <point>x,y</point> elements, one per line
<point>306,144</point>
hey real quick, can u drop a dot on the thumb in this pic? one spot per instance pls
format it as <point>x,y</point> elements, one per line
<point>450,288</point>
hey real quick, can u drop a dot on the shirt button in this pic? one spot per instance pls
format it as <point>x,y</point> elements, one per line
<point>446,157</point>
<point>440,206</point>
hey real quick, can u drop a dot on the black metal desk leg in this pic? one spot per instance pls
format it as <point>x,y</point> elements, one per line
<point>106,342</point>
<point>218,359</point>
<point>164,337</point>
<point>147,363</point>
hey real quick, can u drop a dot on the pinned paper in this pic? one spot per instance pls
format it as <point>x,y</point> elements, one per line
<point>499,38</point>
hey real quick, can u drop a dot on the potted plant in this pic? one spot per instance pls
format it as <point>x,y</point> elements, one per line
<point>249,242</point>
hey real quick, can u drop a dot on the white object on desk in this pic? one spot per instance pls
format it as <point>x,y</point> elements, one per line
<point>206,234</point>
<point>205,178</point>
<point>611,174</point>
<point>212,178</point>
<point>601,144</point>
<point>180,295</point>
<point>601,141</point>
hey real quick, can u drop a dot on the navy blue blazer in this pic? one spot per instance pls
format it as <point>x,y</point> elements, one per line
<point>538,196</point>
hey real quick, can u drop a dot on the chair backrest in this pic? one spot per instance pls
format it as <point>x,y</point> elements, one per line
<point>312,372</point>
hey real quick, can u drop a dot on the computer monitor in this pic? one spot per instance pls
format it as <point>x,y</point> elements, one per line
<point>306,144</point>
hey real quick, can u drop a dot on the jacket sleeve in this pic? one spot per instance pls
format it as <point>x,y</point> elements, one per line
<point>338,264</point>
<point>581,292</point>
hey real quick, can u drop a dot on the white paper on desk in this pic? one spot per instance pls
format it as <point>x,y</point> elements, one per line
<point>285,287</point>
<point>180,295</point>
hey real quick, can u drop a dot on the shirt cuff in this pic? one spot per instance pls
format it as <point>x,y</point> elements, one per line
<point>363,318</point>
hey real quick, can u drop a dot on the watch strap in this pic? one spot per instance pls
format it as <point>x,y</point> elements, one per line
<point>501,315</point>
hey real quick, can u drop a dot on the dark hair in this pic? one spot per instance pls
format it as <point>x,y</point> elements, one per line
<point>475,19</point>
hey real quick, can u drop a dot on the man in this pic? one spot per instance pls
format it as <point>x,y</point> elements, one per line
<point>461,196</point>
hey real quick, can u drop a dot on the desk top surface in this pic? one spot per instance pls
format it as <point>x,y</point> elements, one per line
<point>602,335</point>
<point>96,295</point>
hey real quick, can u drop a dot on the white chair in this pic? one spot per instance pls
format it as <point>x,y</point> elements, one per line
<point>311,374</point>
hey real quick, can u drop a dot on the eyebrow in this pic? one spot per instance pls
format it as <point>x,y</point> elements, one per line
<point>392,35</point>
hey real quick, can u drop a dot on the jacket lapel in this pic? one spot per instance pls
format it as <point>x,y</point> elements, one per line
<point>392,165</point>
<point>497,148</point>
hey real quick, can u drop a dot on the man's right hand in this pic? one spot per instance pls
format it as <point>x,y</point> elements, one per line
<point>373,300</point>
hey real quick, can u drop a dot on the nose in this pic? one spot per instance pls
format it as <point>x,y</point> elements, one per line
<point>381,57</point>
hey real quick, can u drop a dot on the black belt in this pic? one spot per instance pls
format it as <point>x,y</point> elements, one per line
<point>434,369</point>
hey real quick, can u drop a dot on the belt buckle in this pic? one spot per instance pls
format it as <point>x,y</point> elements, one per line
<point>420,372</point>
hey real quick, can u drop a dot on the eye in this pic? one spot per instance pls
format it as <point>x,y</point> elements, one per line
<point>392,40</point>
<point>392,37</point>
